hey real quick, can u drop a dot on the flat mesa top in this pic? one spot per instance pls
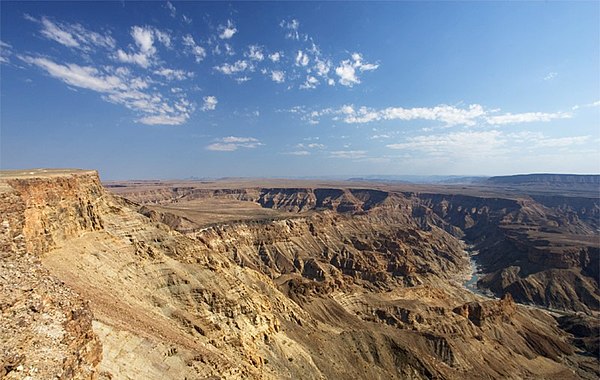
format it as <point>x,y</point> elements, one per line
<point>41,173</point>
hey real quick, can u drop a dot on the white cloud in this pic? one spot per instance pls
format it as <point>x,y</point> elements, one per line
<point>302,58</point>
<point>278,76</point>
<point>243,79</point>
<point>234,139</point>
<point>347,109</point>
<point>72,35</point>
<point>163,119</point>
<point>349,154</point>
<point>220,147</point>
<point>449,115</point>
<point>5,52</point>
<point>232,143</point>
<point>310,83</point>
<point>237,67</point>
<point>275,57</point>
<point>119,86</point>
<point>255,53</point>
<point>444,113</point>
<point>347,74</point>
<point>144,39</point>
<point>380,137</point>
<point>469,143</point>
<point>322,67</point>
<point>226,32</point>
<point>310,146</point>
<point>299,153</point>
<point>358,63</point>
<point>561,142</point>
<point>79,76</point>
<point>171,74</point>
<point>198,51</point>
<point>210,103</point>
<point>291,28</point>
<point>172,9</point>
<point>163,37</point>
<point>527,117</point>
<point>53,32</point>
<point>550,76</point>
<point>348,69</point>
<point>588,105</point>
<point>135,58</point>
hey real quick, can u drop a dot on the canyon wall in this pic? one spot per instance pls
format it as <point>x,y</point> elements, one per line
<point>342,284</point>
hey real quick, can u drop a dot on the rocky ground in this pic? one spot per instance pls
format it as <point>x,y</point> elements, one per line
<point>301,282</point>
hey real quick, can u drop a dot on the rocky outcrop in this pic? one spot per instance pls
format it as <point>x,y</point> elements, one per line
<point>482,312</point>
<point>45,327</point>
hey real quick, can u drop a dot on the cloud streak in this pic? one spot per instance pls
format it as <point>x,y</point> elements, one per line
<point>119,86</point>
<point>233,143</point>
<point>72,35</point>
<point>471,115</point>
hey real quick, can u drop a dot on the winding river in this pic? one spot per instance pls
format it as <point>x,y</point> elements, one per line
<point>476,273</point>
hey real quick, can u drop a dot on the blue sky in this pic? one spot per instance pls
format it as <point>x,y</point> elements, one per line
<point>179,89</point>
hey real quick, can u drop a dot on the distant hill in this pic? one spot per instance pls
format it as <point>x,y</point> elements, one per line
<point>551,179</point>
<point>419,179</point>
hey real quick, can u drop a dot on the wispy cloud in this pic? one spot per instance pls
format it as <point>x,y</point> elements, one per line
<point>255,53</point>
<point>278,76</point>
<point>561,142</point>
<point>171,8</point>
<point>449,115</point>
<point>588,105</point>
<point>291,27</point>
<point>197,51</point>
<point>348,154</point>
<point>302,58</point>
<point>527,117</point>
<point>227,31</point>
<point>275,57</point>
<point>172,74</point>
<point>311,146</point>
<point>119,86</point>
<point>233,68</point>
<point>550,76</point>
<point>5,52</point>
<point>472,143</point>
<point>144,38</point>
<point>232,143</point>
<point>72,35</point>
<point>299,153</point>
<point>210,103</point>
<point>310,82</point>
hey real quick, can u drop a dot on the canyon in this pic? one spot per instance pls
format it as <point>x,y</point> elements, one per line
<point>275,279</point>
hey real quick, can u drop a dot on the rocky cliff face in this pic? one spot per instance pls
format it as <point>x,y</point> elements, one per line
<point>359,283</point>
<point>541,250</point>
<point>45,327</point>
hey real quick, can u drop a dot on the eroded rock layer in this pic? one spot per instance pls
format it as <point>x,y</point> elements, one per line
<point>338,283</point>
